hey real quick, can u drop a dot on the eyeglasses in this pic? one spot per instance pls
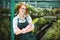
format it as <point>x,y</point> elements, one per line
<point>23,8</point>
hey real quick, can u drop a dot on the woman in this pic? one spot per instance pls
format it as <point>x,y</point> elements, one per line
<point>22,24</point>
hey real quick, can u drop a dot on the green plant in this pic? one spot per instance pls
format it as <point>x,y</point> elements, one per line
<point>5,28</point>
<point>54,32</point>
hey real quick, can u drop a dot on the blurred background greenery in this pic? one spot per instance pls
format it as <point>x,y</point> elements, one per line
<point>45,15</point>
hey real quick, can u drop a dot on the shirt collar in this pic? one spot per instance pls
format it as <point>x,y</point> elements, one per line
<point>19,17</point>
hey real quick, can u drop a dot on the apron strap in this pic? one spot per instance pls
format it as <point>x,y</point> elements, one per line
<point>17,21</point>
<point>26,19</point>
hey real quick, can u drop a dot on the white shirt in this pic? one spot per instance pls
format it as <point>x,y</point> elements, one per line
<point>15,21</point>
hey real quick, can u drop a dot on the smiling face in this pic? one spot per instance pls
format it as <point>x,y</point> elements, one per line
<point>22,10</point>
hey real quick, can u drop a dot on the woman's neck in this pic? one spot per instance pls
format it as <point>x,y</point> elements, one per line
<point>21,16</point>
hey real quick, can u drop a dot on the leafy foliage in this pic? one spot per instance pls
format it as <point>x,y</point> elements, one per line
<point>5,28</point>
<point>54,32</point>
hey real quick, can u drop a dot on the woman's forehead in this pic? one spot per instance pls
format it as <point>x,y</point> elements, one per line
<point>23,6</point>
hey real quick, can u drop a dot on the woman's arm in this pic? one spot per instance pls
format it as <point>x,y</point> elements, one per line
<point>19,31</point>
<point>28,29</point>
<point>15,28</point>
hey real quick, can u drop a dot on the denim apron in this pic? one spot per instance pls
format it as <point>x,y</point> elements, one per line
<point>26,36</point>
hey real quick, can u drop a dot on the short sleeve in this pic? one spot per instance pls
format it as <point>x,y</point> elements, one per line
<point>30,20</point>
<point>14,24</point>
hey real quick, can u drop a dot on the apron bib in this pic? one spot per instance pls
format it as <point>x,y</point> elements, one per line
<point>26,36</point>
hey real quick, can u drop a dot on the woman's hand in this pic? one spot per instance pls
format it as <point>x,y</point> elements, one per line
<point>28,26</point>
<point>27,29</point>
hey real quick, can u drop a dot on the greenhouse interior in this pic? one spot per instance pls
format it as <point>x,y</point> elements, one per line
<point>45,17</point>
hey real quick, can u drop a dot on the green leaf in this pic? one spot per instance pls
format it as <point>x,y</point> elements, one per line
<point>35,20</point>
